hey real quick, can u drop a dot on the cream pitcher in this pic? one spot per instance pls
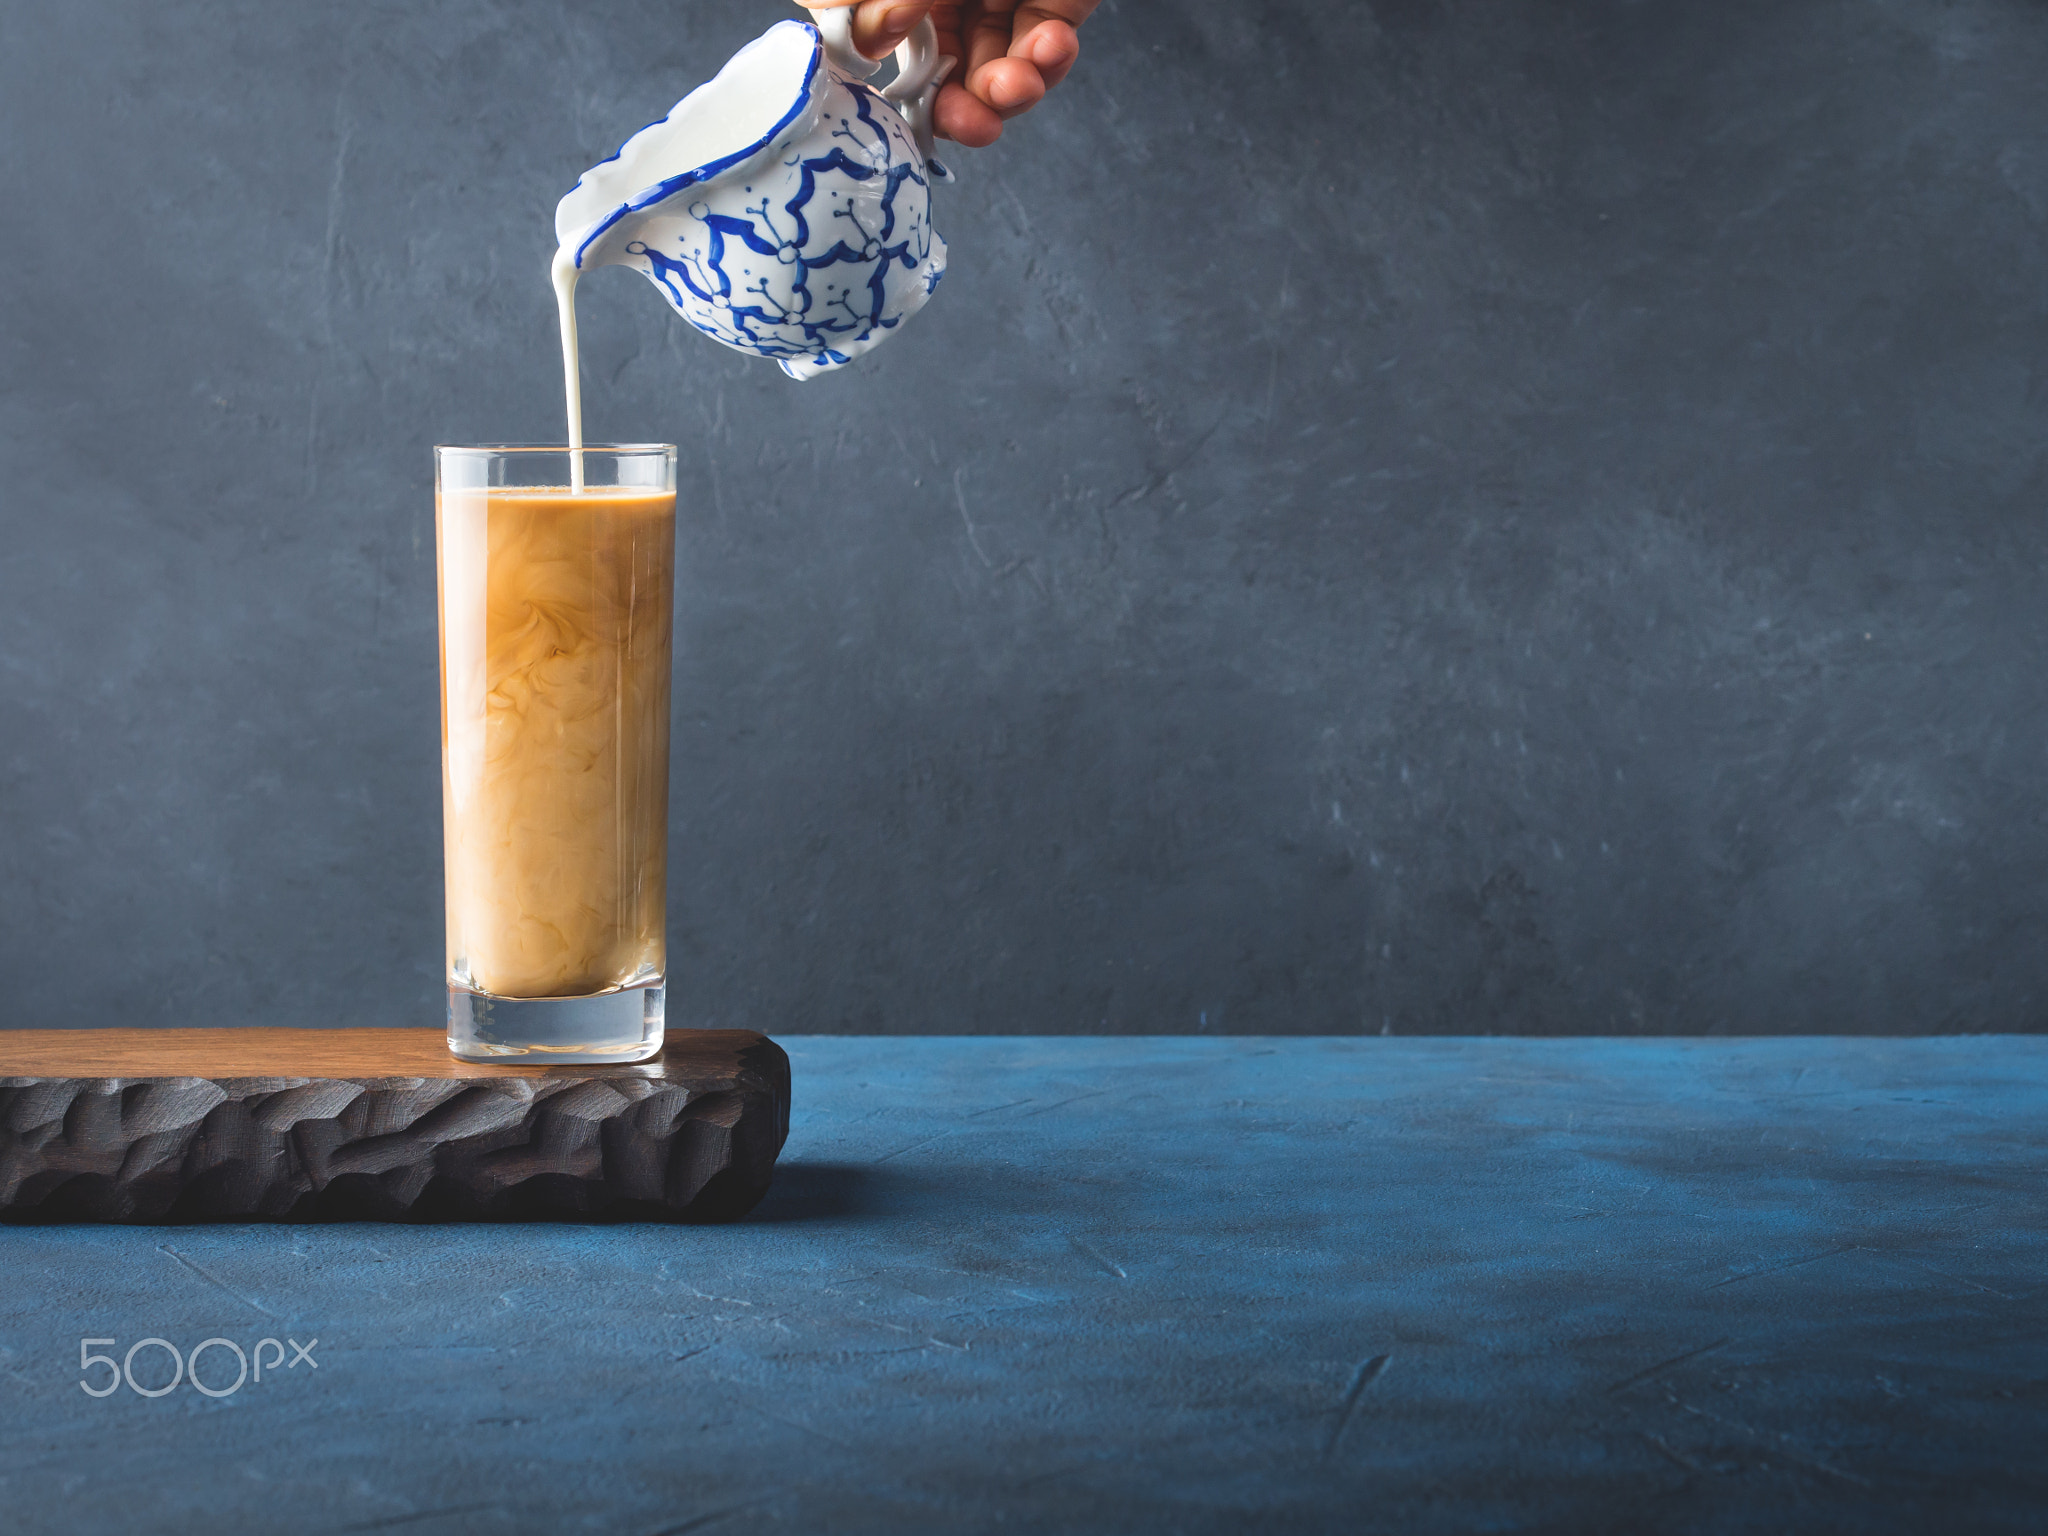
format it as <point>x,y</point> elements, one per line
<point>784,207</point>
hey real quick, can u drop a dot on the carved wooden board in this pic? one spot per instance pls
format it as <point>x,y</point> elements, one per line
<point>180,1125</point>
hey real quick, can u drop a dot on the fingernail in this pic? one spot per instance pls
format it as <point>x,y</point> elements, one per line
<point>898,22</point>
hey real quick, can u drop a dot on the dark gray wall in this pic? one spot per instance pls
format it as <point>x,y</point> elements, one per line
<point>1481,517</point>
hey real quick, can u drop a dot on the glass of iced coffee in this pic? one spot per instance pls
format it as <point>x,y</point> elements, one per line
<point>557,578</point>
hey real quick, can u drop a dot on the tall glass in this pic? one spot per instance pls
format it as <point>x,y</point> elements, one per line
<point>557,592</point>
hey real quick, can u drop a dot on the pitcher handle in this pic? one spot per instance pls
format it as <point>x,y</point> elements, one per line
<point>835,27</point>
<point>920,70</point>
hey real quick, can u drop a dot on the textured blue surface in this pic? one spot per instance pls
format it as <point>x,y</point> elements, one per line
<point>1144,1285</point>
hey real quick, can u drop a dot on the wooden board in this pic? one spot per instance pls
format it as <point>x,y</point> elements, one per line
<point>175,1125</point>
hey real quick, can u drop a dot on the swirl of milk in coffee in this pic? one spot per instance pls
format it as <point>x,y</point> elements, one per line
<point>555,706</point>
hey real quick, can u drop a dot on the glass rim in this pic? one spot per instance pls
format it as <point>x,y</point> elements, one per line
<point>537,448</point>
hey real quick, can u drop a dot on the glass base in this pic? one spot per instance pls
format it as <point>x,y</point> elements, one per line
<point>543,1031</point>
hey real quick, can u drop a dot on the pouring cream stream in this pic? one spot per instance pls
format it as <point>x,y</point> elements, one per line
<point>564,272</point>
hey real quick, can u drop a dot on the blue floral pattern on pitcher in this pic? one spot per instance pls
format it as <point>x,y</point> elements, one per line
<point>809,242</point>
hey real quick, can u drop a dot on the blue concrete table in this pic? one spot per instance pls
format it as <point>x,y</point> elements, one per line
<point>1136,1285</point>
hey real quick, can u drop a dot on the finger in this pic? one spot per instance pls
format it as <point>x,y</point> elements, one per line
<point>965,118</point>
<point>986,29</point>
<point>878,25</point>
<point>1010,86</point>
<point>1016,50</point>
<point>946,22</point>
<point>1073,12</point>
<point>1050,47</point>
<point>975,33</point>
<point>1043,34</point>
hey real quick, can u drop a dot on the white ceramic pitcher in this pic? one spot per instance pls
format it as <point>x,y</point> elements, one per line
<point>783,208</point>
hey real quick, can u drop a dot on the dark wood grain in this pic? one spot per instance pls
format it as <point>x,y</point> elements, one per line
<point>176,1125</point>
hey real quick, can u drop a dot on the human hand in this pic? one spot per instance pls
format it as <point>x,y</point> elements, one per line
<point>1010,52</point>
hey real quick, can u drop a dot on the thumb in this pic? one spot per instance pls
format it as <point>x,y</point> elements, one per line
<point>878,25</point>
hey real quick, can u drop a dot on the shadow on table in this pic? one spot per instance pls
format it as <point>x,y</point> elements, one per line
<point>825,1191</point>
<point>807,1191</point>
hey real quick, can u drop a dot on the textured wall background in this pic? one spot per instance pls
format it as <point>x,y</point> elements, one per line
<point>1405,516</point>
